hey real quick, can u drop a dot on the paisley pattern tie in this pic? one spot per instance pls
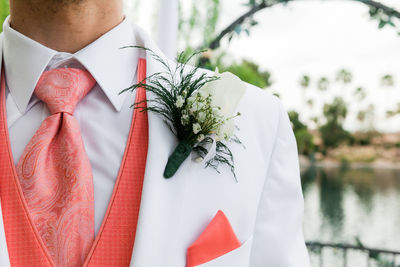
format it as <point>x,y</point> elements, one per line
<point>55,173</point>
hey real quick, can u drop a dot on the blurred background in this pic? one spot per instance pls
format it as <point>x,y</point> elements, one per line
<point>335,66</point>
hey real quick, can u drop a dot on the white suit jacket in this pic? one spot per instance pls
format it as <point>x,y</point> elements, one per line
<point>265,207</point>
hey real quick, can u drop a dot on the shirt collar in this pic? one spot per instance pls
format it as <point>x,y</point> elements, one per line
<point>113,68</point>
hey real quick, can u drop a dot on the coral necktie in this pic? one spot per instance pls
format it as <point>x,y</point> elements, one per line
<point>55,173</point>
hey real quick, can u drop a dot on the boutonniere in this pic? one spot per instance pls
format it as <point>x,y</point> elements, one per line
<point>197,107</point>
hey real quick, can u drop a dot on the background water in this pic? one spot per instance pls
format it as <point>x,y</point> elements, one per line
<point>342,204</point>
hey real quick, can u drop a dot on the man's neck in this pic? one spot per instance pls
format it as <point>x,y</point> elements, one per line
<point>65,27</point>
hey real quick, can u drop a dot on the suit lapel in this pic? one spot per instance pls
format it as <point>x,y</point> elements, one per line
<point>162,199</point>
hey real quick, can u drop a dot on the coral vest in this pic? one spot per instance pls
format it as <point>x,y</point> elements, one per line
<point>114,242</point>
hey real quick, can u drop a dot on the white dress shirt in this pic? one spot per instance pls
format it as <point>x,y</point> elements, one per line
<point>104,116</point>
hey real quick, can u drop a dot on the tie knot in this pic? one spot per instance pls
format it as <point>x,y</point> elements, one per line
<point>62,89</point>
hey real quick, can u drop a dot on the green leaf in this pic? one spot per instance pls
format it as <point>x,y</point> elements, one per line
<point>373,11</point>
<point>253,22</point>
<point>238,29</point>
<point>382,24</point>
<point>252,2</point>
<point>230,37</point>
<point>391,23</point>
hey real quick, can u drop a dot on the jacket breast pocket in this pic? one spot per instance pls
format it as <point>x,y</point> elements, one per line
<point>239,257</point>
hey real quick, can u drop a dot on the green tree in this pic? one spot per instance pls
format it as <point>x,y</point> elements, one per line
<point>248,71</point>
<point>394,112</point>
<point>202,20</point>
<point>305,81</point>
<point>360,93</point>
<point>304,139</point>
<point>332,132</point>
<point>323,84</point>
<point>387,80</point>
<point>4,11</point>
<point>344,76</point>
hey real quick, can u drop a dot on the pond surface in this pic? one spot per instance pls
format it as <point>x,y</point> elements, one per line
<point>343,204</point>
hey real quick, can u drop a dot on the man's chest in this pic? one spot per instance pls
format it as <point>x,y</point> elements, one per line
<point>103,129</point>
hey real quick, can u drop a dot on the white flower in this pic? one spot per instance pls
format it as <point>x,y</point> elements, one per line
<point>226,92</point>
<point>191,100</point>
<point>194,108</point>
<point>199,159</point>
<point>200,105</point>
<point>226,130</point>
<point>179,101</point>
<point>196,128</point>
<point>203,94</point>
<point>216,111</point>
<point>201,116</point>
<point>185,119</point>
<point>200,138</point>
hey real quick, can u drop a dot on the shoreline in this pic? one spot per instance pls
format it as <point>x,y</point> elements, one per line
<point>305,162</point>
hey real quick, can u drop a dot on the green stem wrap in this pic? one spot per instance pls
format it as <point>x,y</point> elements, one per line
<point>181,152</point>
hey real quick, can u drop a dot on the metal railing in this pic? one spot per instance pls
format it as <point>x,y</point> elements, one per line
<point>372,254</point>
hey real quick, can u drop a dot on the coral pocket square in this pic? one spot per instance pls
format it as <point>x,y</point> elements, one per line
<point>216,240</point>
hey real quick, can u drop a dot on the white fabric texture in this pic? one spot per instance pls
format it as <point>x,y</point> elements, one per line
<point>280,212</point>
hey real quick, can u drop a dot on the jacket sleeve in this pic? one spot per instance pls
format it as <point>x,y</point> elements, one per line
<point>278,236</point>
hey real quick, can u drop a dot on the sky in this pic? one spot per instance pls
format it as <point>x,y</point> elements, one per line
<point>318,38</point>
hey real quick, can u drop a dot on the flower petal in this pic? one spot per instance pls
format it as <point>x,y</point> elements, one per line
<point>226,92</point>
